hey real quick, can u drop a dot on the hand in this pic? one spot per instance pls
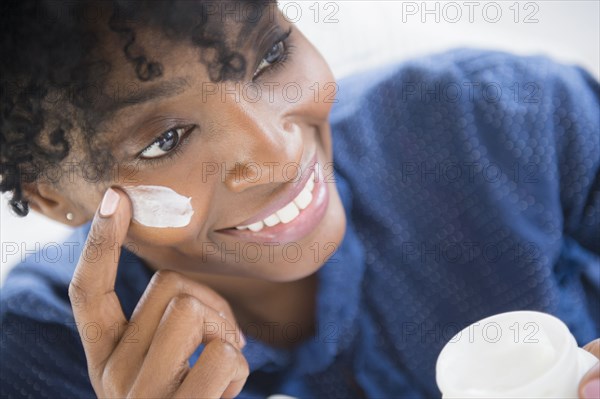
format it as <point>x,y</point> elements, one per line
<point>148,356</point>
<point>589,387</point>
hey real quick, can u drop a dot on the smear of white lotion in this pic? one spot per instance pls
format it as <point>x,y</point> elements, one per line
<point>158,206</point>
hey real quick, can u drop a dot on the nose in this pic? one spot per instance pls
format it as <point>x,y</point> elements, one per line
<point>265,148</point>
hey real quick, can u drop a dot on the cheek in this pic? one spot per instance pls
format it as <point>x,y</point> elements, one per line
<point>314,77</point>
<point>161,215</point>
<point>86,196</point>
<point>310,90</point>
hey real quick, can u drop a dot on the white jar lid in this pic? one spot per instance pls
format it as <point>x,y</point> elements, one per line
<point>522,354</point>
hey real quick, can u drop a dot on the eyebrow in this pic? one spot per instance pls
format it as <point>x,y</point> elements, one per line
<point>140,95</point>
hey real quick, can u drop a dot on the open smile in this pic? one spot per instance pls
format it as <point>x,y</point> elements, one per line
<point>292,216</point>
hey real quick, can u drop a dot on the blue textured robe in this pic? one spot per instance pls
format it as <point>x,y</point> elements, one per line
<point>471,184</point>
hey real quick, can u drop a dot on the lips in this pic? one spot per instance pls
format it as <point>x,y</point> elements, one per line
<point>289,212</point>
<point>283,233</point>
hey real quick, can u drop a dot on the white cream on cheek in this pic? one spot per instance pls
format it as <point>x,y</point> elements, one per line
<point>158,206</point>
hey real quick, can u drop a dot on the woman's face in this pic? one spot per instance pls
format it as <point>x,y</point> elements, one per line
<point>241,150</point>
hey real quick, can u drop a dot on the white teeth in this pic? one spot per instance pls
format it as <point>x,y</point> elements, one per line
<point>256,226</point>
<point>288,212</point>
<point>303,199</point>
<point>272,220</point>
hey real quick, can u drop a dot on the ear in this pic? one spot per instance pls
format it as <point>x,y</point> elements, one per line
<point>50,202</point>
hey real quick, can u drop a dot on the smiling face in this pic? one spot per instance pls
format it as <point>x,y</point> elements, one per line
<point>243,149</point>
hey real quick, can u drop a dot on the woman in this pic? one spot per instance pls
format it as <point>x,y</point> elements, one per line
<point>224,254</point>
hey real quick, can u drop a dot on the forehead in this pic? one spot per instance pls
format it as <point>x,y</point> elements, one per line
<point>219,28</point>
<point>145,50</point>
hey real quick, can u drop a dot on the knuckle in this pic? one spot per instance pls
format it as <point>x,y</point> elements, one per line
<point>227,351</point>
<point>76,292</point>
<point>223,305</point>
<point>99,236</point>
<point>165,278</point>
<point>246,372</point>
<point>245,367</point>
<point>186,304</point>
<point>216,300</point>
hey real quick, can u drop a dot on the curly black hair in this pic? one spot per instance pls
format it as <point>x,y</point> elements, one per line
<point>46,51</point>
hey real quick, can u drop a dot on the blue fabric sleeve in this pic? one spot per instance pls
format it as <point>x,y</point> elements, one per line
<point>41,360</point>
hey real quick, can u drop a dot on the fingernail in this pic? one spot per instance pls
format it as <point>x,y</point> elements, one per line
<point>591,390</point>
<point>109,203</point>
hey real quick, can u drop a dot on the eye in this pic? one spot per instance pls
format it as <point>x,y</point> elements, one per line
<point>276,54</point>
<point>164,144</point>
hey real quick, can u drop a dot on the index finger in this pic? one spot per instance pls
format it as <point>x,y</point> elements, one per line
<point>96,308</point>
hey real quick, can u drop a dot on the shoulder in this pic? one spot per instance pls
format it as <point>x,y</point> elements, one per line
<point>463,95</point>
<point>42,354</point>
<point>508,132</point>
<point>37,288</point>
<point>460,74</point>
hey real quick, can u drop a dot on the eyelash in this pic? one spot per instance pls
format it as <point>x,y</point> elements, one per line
<point>175,152</point>
<point>178,150</point>
<point>285,56</point>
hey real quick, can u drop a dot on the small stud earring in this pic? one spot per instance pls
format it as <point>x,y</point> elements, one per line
<point>69,216</point>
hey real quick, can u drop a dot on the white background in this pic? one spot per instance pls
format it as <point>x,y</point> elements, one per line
<point>362,34</point>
